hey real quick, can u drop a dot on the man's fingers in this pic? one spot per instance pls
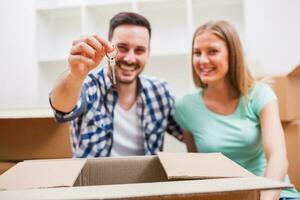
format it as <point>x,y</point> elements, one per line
<point>89,51</point>
<point>82,48</point>
<point>77,41</point>
<point>107,46</point>
<point>94,43</point>
<point>79,59</point>
<point>100,45</point>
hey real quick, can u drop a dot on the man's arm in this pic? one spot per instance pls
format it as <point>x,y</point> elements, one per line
<point>173,127</point>
<point>85,55</point>
<point>189,141</point>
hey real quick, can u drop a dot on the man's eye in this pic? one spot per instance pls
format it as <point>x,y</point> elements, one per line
<point>122,49</point>
<point>140,51</point>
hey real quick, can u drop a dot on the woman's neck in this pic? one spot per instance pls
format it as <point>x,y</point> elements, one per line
<point>222,91</point>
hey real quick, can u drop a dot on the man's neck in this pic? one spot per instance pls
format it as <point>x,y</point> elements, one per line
<point>127,95</point>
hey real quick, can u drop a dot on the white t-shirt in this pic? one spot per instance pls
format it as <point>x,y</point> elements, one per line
<point>128,137</point>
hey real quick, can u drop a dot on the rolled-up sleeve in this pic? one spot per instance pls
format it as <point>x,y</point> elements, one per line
<point>75,112</point>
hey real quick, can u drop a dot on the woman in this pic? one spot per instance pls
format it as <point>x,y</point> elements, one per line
<point>232,113</point>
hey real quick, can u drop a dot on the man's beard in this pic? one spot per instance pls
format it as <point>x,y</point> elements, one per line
<point>127,65</point>
<point>124,63</point>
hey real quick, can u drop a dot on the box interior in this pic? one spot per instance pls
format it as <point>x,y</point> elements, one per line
<point>137,169</point>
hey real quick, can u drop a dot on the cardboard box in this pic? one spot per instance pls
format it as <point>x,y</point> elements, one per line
<point>292,137</point>
<point>4,166</point>
<point>166,176</point>
<point>287,89</point>
<point>32,133</point>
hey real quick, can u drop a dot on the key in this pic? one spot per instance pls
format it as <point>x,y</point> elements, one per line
<point>112,63</point>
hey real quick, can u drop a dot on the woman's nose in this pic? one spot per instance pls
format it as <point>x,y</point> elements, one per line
<point>203,58</point>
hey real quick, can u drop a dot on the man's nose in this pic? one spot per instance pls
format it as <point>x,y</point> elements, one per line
<point>130,57</point>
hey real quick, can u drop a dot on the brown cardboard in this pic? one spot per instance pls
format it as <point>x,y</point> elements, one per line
<point>189,169</point>
<point>100,171</point>
<point>4,166</point>
<point>212,189</point>
<point>136,177</point>
<point>292,137</point>
<point>287,89</point>
<point>32,133</point>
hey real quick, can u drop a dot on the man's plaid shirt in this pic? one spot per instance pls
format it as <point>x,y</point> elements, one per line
<point>92,117</point>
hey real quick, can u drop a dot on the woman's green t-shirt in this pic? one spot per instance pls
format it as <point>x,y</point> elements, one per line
<point>237,136</point>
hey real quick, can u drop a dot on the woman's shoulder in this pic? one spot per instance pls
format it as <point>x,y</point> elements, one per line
<point>188,98</point>
<point>260,95</point>
<point>261,89</point>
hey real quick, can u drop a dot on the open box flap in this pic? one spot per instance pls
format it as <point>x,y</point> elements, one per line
<point>200,166</point>
<point>42,174</point>
<point>295,71</point>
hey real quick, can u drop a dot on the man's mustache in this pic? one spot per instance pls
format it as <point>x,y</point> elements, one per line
<point>124,63</point>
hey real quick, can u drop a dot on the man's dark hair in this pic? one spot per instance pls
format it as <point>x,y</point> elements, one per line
<point>128,18</point>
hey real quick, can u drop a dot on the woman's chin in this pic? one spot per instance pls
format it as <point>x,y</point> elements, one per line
<point>207,80</point>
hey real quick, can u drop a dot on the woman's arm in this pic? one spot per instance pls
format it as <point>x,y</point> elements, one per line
<point>189,141</point>
<point>274,147</point>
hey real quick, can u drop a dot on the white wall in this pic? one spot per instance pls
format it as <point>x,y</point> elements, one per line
<point>272,44</point>
<point>17,55</point>
<point>273,34</point>
<point>286,40</point>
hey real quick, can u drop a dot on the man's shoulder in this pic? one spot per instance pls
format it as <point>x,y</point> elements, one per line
<point>95,78</point>
<point>95,82</point>
<point>151,81</point>
<point>99,73</point>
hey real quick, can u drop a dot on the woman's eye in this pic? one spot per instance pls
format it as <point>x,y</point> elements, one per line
<point>197,53</point>
<point>213,51</point>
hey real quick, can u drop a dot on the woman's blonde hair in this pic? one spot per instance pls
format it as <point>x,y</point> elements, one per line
<point>239,76</point>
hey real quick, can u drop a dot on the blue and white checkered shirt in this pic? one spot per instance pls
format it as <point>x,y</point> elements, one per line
<point>92,117</point>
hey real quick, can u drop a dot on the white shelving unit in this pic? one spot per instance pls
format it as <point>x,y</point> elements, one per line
<point>56,29</point>
<point>230,10</point>
<point>173,22</point>
<point>169,24</point>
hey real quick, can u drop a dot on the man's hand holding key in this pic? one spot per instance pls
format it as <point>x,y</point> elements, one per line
<point>112,63</point>
<point>86,54</point>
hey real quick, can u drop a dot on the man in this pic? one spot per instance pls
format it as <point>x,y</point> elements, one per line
<point>126,118</point>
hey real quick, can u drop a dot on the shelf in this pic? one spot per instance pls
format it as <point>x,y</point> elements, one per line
<point>49,5</point>
<point>106,2</point>
<point>26,112</point>
<point>51,60</point>
<point>231,10</point>
<point>169,31</point>
<point>96,18</point>
<point>175,69</point>
<point>217,3</point>
<point>48,73</point>
<point>60,22</point>
<point>56,30</point>
<point>170,53</point>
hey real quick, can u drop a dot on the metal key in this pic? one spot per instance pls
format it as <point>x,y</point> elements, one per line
<point>112,63</point>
